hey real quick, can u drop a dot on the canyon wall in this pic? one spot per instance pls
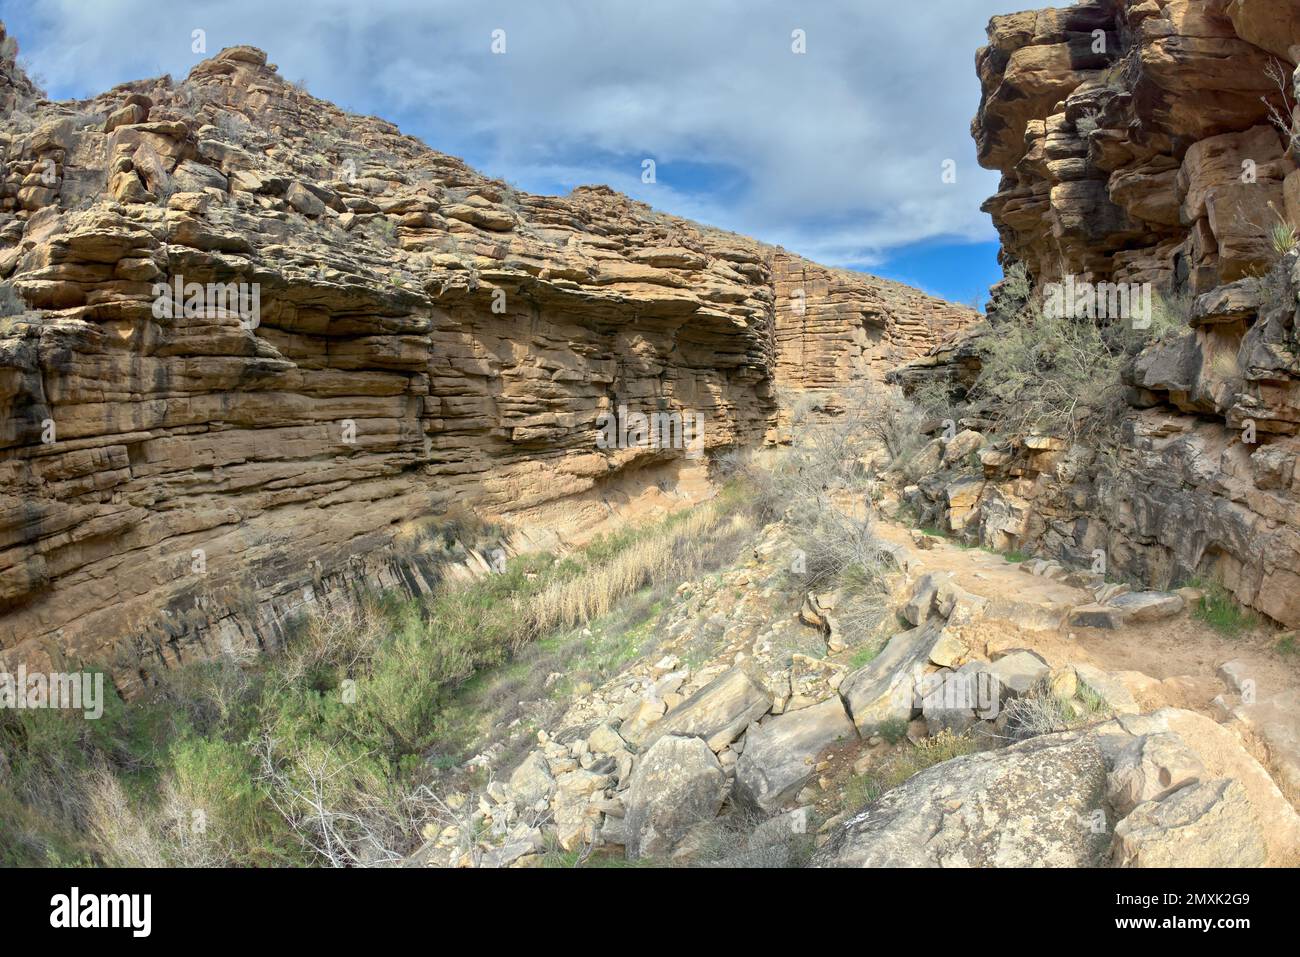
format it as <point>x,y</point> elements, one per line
<point>1151,141</point>
<point>832,324</point>
<point>174,481</point>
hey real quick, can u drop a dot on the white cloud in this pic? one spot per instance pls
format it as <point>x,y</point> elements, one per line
<point>837,152</point>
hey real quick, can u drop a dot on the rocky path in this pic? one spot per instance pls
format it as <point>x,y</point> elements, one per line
<point>757,730</point>
<point>1162,656</point>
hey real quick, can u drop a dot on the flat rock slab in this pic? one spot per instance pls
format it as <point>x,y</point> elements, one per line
<point>885,690</point>
<point>718,712</point>
<point>1129,608</point>
<point>1017,672</point>
<point>1142,606</point>
<point>780,752</point>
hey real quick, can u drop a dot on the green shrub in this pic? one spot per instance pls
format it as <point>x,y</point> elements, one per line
<point>905,764</point>
<point>893,730</point>
<point>316,755</point>
<point>1222,612</point>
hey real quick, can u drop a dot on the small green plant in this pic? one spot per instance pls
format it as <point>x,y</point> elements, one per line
<point>1287,645</point>
<point>1222,612</point>
<point>904,765</point>
<point>1283,237</point>
<point>863,656</point>
<point>893,730</point>
<point>1093,701</point>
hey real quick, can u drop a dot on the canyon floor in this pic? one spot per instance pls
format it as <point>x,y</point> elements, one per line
<point>746,660</point>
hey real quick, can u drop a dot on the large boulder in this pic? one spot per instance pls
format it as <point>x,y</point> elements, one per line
<point>1269,24</point>
<point>1035,804</point>
<point>780,751</point>
<point>1220,750</point>
<point>1207,824</point>
<point>885,690</point>
<point>676,785</point>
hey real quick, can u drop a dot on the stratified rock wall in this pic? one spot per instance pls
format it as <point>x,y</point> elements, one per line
<point>1123,130</point>
<point>425,338</point>
<point>832,324</point>
<point>1156,160</point>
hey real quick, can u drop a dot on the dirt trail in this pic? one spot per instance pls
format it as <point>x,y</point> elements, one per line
<point>1174,662</point>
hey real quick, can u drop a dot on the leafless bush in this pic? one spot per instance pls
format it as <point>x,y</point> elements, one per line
<point>340,810</point>
<point>207,694</point>
<point>1035,713</point>
<point>127,835</point>
<point>822,486</point>
<point>233,126</point>
<point>346,636</point>
<point>1282,118</point>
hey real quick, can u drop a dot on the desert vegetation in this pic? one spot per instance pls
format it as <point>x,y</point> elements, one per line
<point>824,483</point>
<point>1060,374</point>
<point>325,753</point>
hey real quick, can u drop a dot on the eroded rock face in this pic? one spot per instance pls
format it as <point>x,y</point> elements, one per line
<point>393,334</point>
<point>1161,164</point>
<point>1122,128</point>
<point>832,324</point>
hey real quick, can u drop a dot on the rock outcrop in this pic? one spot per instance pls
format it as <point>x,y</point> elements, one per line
<point>1135,137</point>
<point>1148,142</point>
<point>270,343</point>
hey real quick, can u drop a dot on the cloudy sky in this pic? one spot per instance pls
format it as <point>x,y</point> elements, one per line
<point>836,153</point>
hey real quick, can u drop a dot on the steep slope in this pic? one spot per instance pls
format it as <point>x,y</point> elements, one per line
<point>381,334</point>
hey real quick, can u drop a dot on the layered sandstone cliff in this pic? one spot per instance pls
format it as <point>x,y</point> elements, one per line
<point>1151,141</point>
<point>1136,139</point>
<point>424,337</point>
<point>832,324</point>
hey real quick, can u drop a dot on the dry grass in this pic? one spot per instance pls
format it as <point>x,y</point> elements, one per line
<point>650,559</point>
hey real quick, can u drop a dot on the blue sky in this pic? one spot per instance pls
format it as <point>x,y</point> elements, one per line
<point>835,153</point>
